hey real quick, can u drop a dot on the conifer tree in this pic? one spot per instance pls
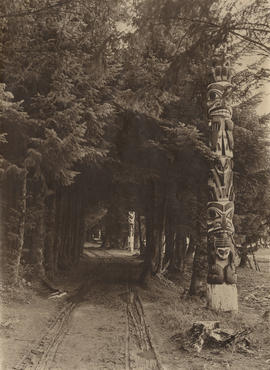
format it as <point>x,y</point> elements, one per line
<point>14,129</point>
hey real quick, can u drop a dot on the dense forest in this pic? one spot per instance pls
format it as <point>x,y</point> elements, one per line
<point>103,111</point>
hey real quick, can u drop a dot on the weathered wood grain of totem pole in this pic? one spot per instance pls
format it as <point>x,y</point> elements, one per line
<point>221,280</point>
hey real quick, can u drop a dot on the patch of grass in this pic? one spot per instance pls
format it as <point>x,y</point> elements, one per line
<point>173,312</point>
<point>17,294</point>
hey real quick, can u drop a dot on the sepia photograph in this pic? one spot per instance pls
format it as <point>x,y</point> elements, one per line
<point>134,184</point>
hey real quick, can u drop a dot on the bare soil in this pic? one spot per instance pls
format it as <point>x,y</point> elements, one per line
<point>107,322</point>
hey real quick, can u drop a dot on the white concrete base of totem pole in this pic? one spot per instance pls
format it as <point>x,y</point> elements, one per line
<point>222,297</point>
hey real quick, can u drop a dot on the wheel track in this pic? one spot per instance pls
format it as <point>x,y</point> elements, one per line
<point>145,356</point>
<point>40,355</point>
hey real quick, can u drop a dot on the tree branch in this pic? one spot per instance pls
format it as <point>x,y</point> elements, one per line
<point>257,43</point>
<point>229,30</point>
<point>29,12</point>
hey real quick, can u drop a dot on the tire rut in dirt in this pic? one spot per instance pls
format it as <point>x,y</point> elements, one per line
<point>42,353</point>
<point>144,355</point>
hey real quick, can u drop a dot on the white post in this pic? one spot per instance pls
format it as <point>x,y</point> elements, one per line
<point>131,229</point>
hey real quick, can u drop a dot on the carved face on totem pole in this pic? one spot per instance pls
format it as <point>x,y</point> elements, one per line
<point>220,232</point>
<point>219,217</point>
<point>221,66</point>
<point>221,260</point>
<point>131,217</point>
<point>131,220</point>
<point>219,99</point>
<point>220,181</point>
<point>219,104</point>
<point>220,112</point>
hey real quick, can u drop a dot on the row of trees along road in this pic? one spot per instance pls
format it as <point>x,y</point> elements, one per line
<point>103,108</point>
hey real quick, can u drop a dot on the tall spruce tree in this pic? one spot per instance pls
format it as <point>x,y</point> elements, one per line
<point>58,59</point>
<point>15,127</point>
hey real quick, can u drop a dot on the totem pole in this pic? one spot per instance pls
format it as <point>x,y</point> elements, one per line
<point>131,229</point>
<point>221,280</point>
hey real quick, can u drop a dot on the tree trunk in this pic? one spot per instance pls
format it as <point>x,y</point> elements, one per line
<point>80,237</point>
<point>58,227</point>
<point>140,236</point>
<point>147,263</point>
<point>49,252</point>
<point>70,233</point>
<point>38,239</point>
<point>199,267</point>
<point>191,247</point>
<point>154,222</point>
<point>244,255</point>
<point>13,204</point>
<point>35,236</point>
<point>181,252</point>
<point>157,245</point>
<point>170,243</point>
<point>199,270</point>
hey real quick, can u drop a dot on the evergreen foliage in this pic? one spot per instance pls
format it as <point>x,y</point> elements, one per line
<point>109,113</point>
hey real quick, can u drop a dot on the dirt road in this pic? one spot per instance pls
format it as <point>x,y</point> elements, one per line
<point>96,335</point>
<point>102,326</point>
<point>105,321</point>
